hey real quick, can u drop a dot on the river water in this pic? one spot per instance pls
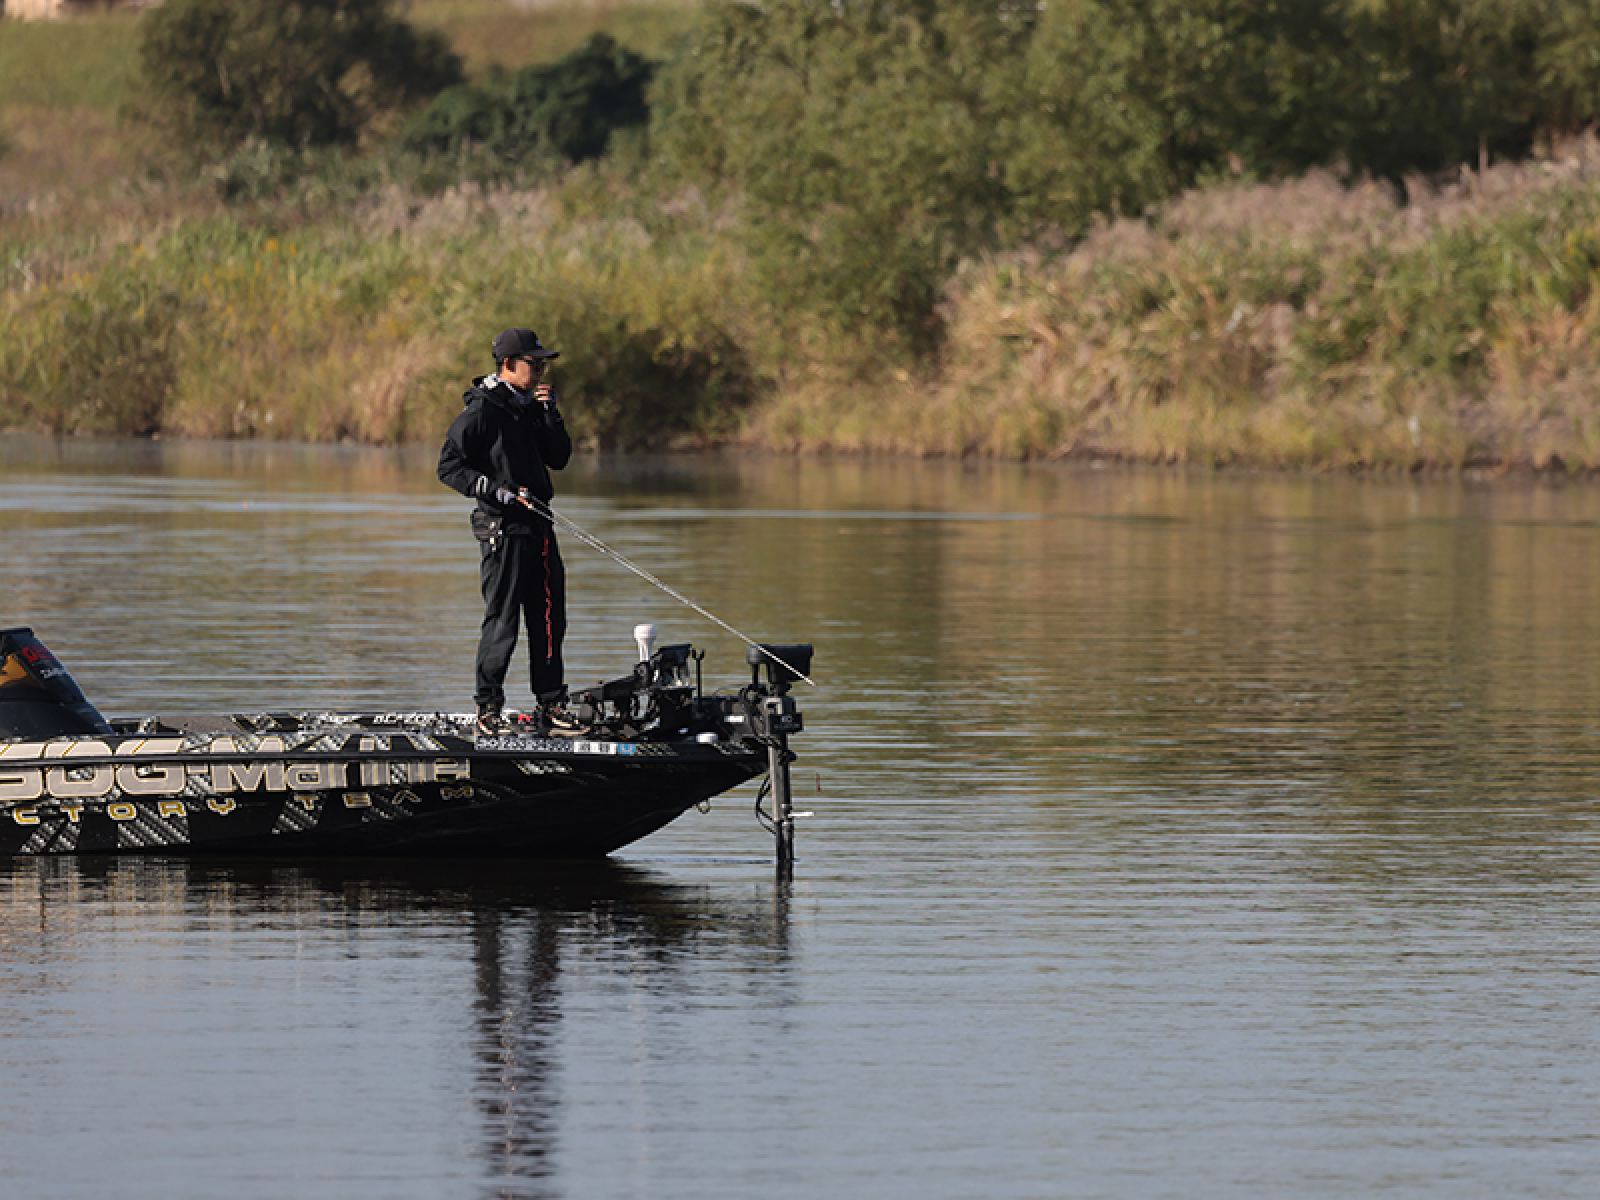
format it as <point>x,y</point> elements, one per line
<point>1175,835</point>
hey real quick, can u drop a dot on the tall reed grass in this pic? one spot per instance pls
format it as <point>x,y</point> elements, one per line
<point>1304,323</point>
<point>1301,324</point>
<point>369,329</point>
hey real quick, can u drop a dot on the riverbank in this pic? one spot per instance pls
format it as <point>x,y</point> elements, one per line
<point>1303,324</point>
<point>1300,324</point>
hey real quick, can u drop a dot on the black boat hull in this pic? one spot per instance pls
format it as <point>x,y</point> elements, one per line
<point>414,785</point>
<point>230,795</point>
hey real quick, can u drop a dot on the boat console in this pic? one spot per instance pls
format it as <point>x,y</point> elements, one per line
<point>38,698</point>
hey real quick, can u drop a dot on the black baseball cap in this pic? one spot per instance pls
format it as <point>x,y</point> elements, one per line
<point>520,343</point>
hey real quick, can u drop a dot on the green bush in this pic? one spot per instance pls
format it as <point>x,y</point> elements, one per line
<point>96,355</point>
<point>297,72</point>
<point>862,139</point>
<point>876,145</point>
<point>563,111</point>
<point>641,388</point>
<point>221,327</point>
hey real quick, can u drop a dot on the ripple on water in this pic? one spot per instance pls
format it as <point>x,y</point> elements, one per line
<point>1175,835</point>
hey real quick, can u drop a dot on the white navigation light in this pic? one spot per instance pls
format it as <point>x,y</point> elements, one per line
<point>645,636</point>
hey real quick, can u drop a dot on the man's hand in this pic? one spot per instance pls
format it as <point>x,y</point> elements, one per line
<point>545,395</point>
<point>521,496</point>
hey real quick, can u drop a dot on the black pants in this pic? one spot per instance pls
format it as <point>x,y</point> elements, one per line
<point>523,580</point>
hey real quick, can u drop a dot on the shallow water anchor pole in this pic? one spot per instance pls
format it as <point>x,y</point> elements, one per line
<point>782,805</point>
<point>774,717</point>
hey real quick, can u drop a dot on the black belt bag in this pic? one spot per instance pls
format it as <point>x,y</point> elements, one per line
<point>488,528</point>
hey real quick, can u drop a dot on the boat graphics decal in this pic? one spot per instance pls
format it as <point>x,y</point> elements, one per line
<point>542,745</point>
<point>214,768</point>
<point>55,827</point>
<point>542,766</point>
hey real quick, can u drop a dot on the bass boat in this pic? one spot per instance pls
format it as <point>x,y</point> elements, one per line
<point>648,747</point>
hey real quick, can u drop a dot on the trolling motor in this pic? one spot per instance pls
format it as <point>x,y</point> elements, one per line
<point>664,696</point>
<point>767,710</point>
<point>773,717</point>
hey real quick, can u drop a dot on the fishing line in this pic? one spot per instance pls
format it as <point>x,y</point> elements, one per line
<point>588,539</point>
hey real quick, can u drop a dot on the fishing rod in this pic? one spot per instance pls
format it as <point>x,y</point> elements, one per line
<point>529,501</point>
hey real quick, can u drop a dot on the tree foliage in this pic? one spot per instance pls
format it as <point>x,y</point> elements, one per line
<point>877,142</point>
<point>565,110</point>
<point>298,72</point>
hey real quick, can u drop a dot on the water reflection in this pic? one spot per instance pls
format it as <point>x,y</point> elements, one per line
<point>1387,648</point>
<point>517,1010</point>
<point>1177,835</point>
<point>514,929</point>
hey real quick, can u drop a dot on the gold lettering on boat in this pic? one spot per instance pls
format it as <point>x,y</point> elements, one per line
<point>25,816</point>
<point>247,777</point>
<point>24,784</point>
<point>72,811</point>
<point>221,805</point>
<point>170,808</point>
<point>151,746</point>
<point>229,745</point>
<point>121,811</point>
<point>357,800</point>
<point>303,776</point>
<point>150,779</point>
<point>59,783</point>
<point>314,776</point>
<point>436,770</point>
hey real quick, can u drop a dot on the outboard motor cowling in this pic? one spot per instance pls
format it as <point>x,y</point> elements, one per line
<point>38,698</point>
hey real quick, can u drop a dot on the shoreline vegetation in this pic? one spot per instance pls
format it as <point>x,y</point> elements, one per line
<point>711,280</point>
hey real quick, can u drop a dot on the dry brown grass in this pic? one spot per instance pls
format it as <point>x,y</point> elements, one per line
<point>1303,324</point>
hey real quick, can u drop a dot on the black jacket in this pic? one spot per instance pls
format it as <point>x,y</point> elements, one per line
<point>500,442</point>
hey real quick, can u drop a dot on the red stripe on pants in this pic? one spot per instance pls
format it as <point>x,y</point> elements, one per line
<point>549,607</point>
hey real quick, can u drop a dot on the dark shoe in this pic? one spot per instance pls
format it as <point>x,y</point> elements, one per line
<point>491,721</point>
<point>559,721</point>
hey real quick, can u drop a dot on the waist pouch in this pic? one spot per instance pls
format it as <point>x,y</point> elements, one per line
<point>487,526</point>
<point>492,527</point>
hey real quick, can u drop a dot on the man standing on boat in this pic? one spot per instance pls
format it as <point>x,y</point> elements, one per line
<point>500,452</point>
